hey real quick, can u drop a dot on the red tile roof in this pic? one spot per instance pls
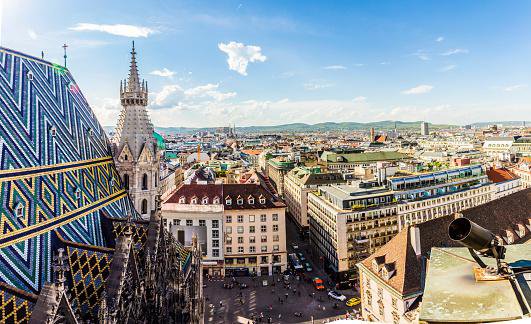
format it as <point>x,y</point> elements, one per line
<point>500,175</point>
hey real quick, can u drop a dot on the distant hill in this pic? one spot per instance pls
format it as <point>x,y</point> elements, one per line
<point>302,127</point>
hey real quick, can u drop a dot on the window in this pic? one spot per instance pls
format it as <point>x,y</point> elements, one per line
<point>144,182</point>
<point>182,200</point>
<point>215,233</point>
<point>30,76</point>
<point>204,201</point>
<point>263,238</point>
<point>275,217</point>
<point>144,206</point>
<point>229,249</point>
<point>215,243</point>
<point>264,248</point>
<point>250,200</point>
<point>78,193</point>
<point>251,229</point>
<point>215,253</point>
<point>275,248</point>
<point>263,218</point>
<point>126,181</point>
<point>19,210</point>
<point>189,222</point>
<point>252,239</point>
<point>228,219</point>
<point>262,200</point>
<point>275,238</point>
<point>240,249</point>
<point>228,201</point>
<point>240,218</point>
<point>215,201</point>
<point>239,201</point>
<point>202,222</point>
<point>53,131</point>
<point>263,228</point>
<point>252,249</point>
<point>251,218</point>
<point>228,229</point>
<point>275,228</point>
<point>194,200</point>
<point>215,223</point>
<point>240,229</point>
<point>240,239</point>
<point>264,259</point>
<point>228,240</point>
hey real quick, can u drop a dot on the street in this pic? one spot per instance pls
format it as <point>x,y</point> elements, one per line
<point>276,299</point>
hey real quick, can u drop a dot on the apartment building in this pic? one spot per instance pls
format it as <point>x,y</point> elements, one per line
<point>298,183</point>
<point>523,171</point>
<point>254,231</point>
<point>276,169</point>
<point>499,147</point>
<point>349,222</point>
<point>198,208</point>
<point>349,161</point>
<point>431,195</point>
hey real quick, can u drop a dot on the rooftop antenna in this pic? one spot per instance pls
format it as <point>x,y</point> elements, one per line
<point>64,48</point>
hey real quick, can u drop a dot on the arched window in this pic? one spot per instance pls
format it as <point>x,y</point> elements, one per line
<point>126,181</point>
<point>125,157</point>
<point>144,182</point>
<point>156,179</point>
<point>144,206</point>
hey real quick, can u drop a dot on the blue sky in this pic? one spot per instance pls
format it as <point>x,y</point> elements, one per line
<point>210,63</point>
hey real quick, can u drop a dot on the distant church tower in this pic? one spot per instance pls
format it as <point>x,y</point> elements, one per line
<point>135,150</point>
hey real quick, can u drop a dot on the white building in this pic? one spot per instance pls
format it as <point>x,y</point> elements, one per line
<point>424,129</point>
<point>499,147</point>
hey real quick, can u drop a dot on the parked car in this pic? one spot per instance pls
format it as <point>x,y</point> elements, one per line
<point>308,267</point>
<point>318,283</point>
<point>294,246</point>
<point>334,294</point>
<point>264,283</point>
<point>353,301</point>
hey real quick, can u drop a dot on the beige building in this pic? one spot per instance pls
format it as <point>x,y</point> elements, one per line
<point>254,228</point>
<point>298,183</point>
<point>347,223</point>
<point>241,227</point>
<point>523,170</point>
<point>276,170</point>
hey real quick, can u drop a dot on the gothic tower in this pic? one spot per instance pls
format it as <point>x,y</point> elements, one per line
<point>135,151</point>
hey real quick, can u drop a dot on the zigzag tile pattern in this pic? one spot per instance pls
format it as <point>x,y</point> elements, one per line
<point>56,169</point>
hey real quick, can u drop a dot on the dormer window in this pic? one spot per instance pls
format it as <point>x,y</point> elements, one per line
<point>228,201</point>
<point>112,181</point>
<point>204,201</point>
<point>521,230</point>
<point>239,201</point>
<point>91,132</point>
<point>53,131</point>
<point>78,193</point>
<point>194,200</point>
<point>215,201</point>
<point>182,200</point>
<point>250,200</point>
<point>30,76</point>
<point>19,210</point>
<point>262,200</point>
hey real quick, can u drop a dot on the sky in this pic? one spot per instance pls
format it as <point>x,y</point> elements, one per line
<point>214,63</point>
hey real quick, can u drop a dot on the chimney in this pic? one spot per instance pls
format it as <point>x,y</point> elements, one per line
<point>414,234</point>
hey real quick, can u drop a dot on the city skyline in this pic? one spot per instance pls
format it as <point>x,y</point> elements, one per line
<point>269,64</point>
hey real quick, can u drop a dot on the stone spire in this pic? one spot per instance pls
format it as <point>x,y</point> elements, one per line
<point>133,83</point>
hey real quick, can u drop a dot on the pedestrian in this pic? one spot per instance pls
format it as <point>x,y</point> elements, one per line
<point>286,294</point>
<point>220,304</point>
<point>279,316</point>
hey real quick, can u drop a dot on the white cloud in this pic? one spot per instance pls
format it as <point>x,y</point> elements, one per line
<point>117,29</point>
<point>240,55</point>
<point>167,95</point>
<point>420,89</point>
<point>448,68</point>
<point>439,39</point>
<point>515,87</point>
<point>360,99</point>
<point>317,85</point>
<point>421,55</point>
<point>165,73</point>
<point>32,34</point>
<point>335,67</point>
<point>359,64</point>
<point>208,90</point>
<point>385,63</point>
<point>455,51</point>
